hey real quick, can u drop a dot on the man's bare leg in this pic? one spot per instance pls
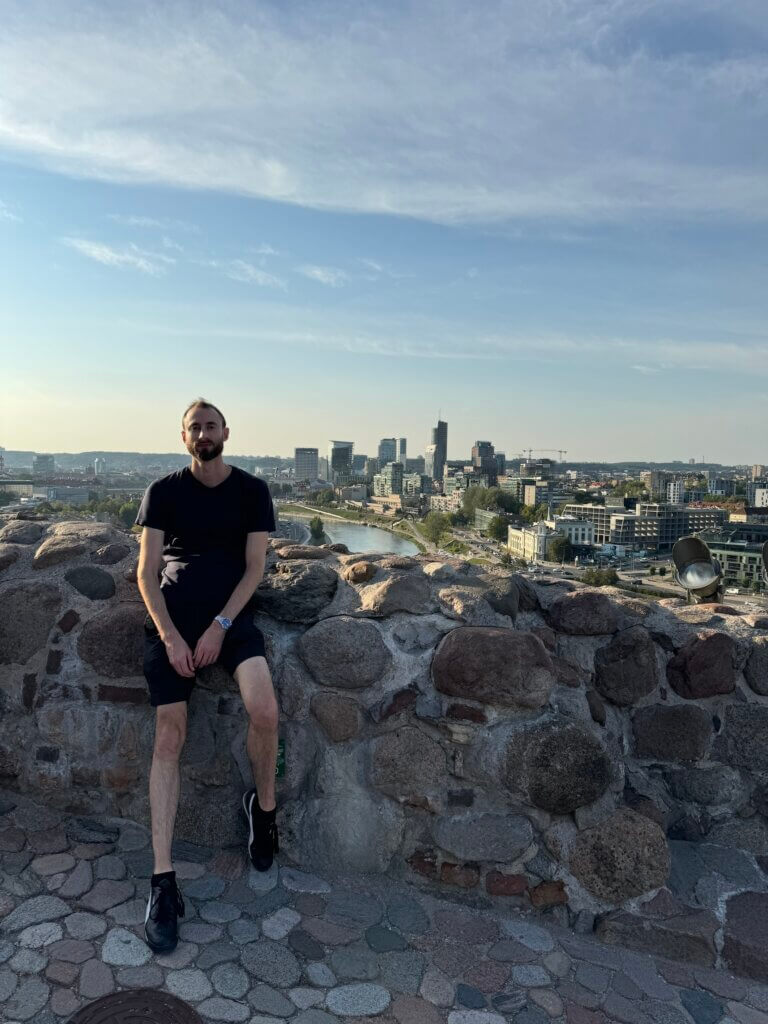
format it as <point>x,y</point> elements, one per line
<point>255,682</point>
<point>170,733</point>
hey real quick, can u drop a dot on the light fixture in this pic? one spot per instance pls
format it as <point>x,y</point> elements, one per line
<point>698,573</point>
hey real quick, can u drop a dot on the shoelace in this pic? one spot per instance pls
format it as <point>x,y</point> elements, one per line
<point>178,899</point>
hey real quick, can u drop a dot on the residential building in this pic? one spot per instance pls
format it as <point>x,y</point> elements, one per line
<point>659,525</point>
<point>761,498</point>
<point>389,480</point>
<point>416,483</point>
<point>371,467</point>
<point>429,460</point>
<point>305,463</point>
<point>387,450</point>
<point>580,532</point>
<point>445,502</point>
<point>69,495</point>
<point>358,464</point>
<point>99,467</point>
<point>758,472</point>
<point>322,467</point>
<point>676,492</point>
<point>415,465</point>
<point>752,487</point>
<point>530,543</point>
<point>340,461</point>
<point>484,460</point>
<point>739,549</point>
<point>607,520</point>
<point>440,454</point>
<point>354,492</point>
<point>394,504</point>
<point>43,465</point>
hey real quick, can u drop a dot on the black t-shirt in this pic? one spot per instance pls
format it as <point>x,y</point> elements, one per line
<point>205,535</point>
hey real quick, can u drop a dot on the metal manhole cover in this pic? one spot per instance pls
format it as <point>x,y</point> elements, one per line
<point>143,1006</point>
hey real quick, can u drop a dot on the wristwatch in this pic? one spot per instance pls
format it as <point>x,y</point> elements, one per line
<point>223,621</point>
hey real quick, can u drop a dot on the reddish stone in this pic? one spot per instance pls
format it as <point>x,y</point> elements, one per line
<point>466,713</point>
<point>547,636</point>
<point>414,1010</point>
<point>466,876</point>
<point>53,664</point>
<point>488,976</point>
<point>704,667</point>
<point>575,1014</point>
<point>393,704</point>
<point>121,776</point>
<point>69,621</point>
<point>424,862</point>
<point>499,884</point>
<point>61,972</point>
<point>228,864</point>
<point>724,609</point>
<point>549,894</point>
<point>359,572</point>
<point>567,674</point>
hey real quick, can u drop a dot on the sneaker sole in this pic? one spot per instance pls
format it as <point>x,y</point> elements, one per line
<point>245,811</point>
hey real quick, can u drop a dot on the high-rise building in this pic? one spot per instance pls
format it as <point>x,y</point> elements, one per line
<point>758,472</point>
<point>484,460</point>
<point>322,468</point>
<point>393,477</point>
<point>305,463</point>
<point>501,464</point>
<point>340,461</point>
<point>415,465</point>
<point>440,453</point>
<point>358,464</point>
<point>99,467</point>
<point>400,455</point>
<point>43,465</point>
<point>676,492</point>
<point>429,460</point>
<point>387,450</point>
<point>371,467</point>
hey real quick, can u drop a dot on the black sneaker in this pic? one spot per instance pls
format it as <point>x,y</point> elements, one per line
<point>262,840</point>
<point>163,907</point>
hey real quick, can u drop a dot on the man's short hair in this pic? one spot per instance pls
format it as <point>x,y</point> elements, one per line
<point>205,404</point>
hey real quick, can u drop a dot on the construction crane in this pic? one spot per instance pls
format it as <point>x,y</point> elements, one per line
<point>560,451</point>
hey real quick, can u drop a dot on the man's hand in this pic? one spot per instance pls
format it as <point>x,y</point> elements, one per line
<point>179,654</point>
<point>209,646</point>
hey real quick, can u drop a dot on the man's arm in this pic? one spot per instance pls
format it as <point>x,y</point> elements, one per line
<point>209,644</point>
<point>150,557</point>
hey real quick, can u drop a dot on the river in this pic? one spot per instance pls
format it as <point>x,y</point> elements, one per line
<point>365,539</point>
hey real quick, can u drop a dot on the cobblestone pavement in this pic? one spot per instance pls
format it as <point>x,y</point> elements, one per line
<point>287,945</point>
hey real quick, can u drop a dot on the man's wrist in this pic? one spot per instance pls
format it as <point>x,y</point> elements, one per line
<point>222,622</point>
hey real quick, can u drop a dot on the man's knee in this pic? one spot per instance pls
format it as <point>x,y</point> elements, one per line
<point>170,734</point>
<point>263,712</point>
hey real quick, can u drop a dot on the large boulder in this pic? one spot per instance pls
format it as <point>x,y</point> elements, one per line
<point>356,828</point>
<point>480,836</point>
<point>742,741</point>
<point>110,554</point>
<point>626,670</point>
<point>494,666</point>
<point>8,555</point>
<point>29,611</point>
<point>401,593</point>
<point>745,949</point>
<point>502,593</point>
<point>676,733</point>
<point>19,532</point>
<point>687,934</point>
<point>623,856</point>
<point>113,642</point>
<point>756,669</point>
<point>293,551</point>
<point>713,785</point>
<point>339,716</point>
<point>585,613</point>
<point>345,652</point>
<point>705,666</point>
<point>407,761</point>
<point>91,582</point>
<point>359,572</point>
<point>298,593</point>
<point>559,764</point>
<point>54,550</point>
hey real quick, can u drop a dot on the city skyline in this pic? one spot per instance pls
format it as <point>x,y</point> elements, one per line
<point>300,215</point>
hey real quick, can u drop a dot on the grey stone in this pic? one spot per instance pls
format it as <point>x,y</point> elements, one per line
<point>383,940</point>
<point>481,836</point>
<point>52,864</point>
<point>208,887</point>
<point>95,980</point>
<point>28,961</point>
<point>345,652</point>
<point>360,1000</point>
<point>508,1002</point>
<point>470,997</point>
<point>86,830</point>
<point>353,909</point>
<point>20,532</point>
<point>531,936</point>
<point>181,957</point>
<point>218,953</point>
<point>123,949</point>
<point>29,614</point>
<point>109,554</point>
<point>595,978</point>
<point>530,976</point>
<point>132,839</point>
<point>197,931</point>
<point>711,785</point>
<point>354,827</point>
<point>617,1008</point>
<point>189,984</point>
<point>6,951</point>
<point>79,882</point>
<point>35,911</point>
<point>219,912</point>
<point>182,849</point>
<point>624,856</point>
<point>298,593</point>
<point>244,930</point>
<point>263,881</point>
<point>678,733</point>
<point>38,935</point>
<point>474,1017</point>
<point>626,670</point>
<point>129,913</point>
<point>532,1015</point>
<point>230,980</point>
<point>265,999</point>
<point>320,974</point>
<point>280,924</point>
<point>300,881</point>
<point>406,761</point>
<point>402,972</point>
<point>702,1006</point>
<point>107,894</point>
<point>407,915</point>
<point>218,1008</point>
<point>8,983</point>
<point>305,945</point>
<point>357,964</point>
<point>92,583</point>
<point>270,962</point>
<point>111,867</point>
<point>399,593</point>
<point>315,1016</point>
<point>306,997</point>
<point>28,1000</point>
<point>113,641</point>
<point>71,951</point>
<point>140,977</point>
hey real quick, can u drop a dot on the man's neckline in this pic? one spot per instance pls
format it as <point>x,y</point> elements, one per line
<point>210,487</point>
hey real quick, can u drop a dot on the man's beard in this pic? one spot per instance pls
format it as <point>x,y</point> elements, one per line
<point>207,453</point>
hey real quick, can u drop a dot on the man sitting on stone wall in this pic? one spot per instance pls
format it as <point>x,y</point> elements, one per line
<point>207,526</point>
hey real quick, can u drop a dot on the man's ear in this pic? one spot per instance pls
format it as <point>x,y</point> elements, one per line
<point>226,433</point>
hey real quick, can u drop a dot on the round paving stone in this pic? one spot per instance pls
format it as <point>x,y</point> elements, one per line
<point>181,957</point>
<point>530,976</point>
<point>230,980</point>
<point>475,1017</point>
<point>218,1008</point>
<point>547,1000</point>
<point>64,1002</point>
<point>535,938</point>
<point>209,887</point>
<point>300,881</point>
<point>8,983</point>
<point>360,964</point>
<point>140,977</point>
<point>469,997</point>
<point>407,915</point>
<point>243,931</point>
<point>305,945</point>
<point>27,1001</point>
<point>85,926</point>
<point>146,1005</point>
<point>28,961</point>
<point>196,931</point>
<point>265,999</point>
<point>305,997</point>
<point>190,984</point>
<point>384,940</point>
<point>412,1010</point>
<point>124,949</point>
<point>279,924</point>
<point>362,1000</point>
<point>52,864</point>
<point>96,980</point>
<point>218,912</point>
<point>38,935</point>
<point>111,867</point>
<point>320,974</point>
<point>271,963</point>
<point>217,953</point>
<point>263,881</point>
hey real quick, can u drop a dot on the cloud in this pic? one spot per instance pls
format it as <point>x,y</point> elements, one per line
<point>129,256</point>
<point>330,276</point>
<point>646,370</point>
<point>583,112</point>
<point>135,221</point>
<point>240,270</point>
<point>8,214</point>
<point>265,250</point>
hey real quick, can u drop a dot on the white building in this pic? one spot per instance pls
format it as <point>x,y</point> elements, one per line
<point>676,492</point>
<point>529,542</point>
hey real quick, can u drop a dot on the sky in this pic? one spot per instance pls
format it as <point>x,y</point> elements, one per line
<point>544,222</point>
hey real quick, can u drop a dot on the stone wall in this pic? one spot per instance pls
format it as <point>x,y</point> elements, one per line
<point>555,746</point>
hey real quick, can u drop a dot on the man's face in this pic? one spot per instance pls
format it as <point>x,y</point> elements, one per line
<point>203,434</point>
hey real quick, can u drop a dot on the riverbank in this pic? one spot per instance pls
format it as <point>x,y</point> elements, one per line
<point>354,517</point>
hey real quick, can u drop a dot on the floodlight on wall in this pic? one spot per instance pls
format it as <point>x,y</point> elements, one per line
<point>698,573</point>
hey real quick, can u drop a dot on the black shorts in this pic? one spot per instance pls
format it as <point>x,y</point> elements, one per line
<point>242,641</point>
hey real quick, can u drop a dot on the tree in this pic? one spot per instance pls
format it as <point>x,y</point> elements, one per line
<point>325,497</point>
<point>316,528</point>
<point>497,528</point>
<point>756,587</point>
<point>127,512</point>
<point>534,513</point>
<point>662,570</point>
<point>560,550</point>
<point>435,525</point>
<point>506,558</point>
<point>458,519</point>
<point>652,570</point>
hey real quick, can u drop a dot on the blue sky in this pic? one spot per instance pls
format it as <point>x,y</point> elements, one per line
<point>547,221</point>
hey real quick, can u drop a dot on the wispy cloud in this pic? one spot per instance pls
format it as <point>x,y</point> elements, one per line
<point>163,224</point>
<point>584,112</point>
<point>241,270</point>
<point>265,250</point>
<point>647,371</point>
<point>330,276</point>
<point>7,214</point>
<point>128,256</point>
